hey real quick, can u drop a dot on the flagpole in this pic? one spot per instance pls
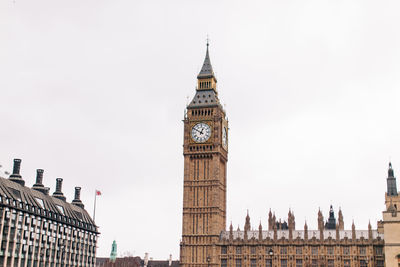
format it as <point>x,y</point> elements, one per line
<point>94,208</point>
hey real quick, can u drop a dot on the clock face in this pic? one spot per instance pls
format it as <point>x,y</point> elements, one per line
<point>224,136</point>
<point>201,132</point>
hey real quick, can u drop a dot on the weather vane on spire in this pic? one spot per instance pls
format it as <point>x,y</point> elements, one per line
<point>208,40</point>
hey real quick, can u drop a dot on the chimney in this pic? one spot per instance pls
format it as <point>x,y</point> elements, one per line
<point>39,176</point>
<point>15,176</point>
<point>38,186</point>
<point>77,199</point>
<point>58,193</point>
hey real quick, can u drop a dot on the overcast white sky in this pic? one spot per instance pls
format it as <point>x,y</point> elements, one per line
<point>94,92</point>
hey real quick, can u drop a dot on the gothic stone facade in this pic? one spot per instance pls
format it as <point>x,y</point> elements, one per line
<point>205,241</point>
<point>290,247</point>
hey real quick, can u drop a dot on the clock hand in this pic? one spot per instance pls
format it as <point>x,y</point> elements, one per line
<point>197,130</point>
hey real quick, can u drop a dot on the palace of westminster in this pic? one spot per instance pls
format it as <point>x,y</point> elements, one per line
<point>205,240</point>
<point>38,229</point>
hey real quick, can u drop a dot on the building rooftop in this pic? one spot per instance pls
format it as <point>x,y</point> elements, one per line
<point>300,234</point>
<point>36,200</point>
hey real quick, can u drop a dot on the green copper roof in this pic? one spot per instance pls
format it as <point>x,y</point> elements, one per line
<point>113,255</point>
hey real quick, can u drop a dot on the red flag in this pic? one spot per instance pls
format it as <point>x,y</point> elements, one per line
<point>98,193</point>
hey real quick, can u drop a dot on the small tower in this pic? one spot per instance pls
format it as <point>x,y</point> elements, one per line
<point>113,254</point>
<point>274,221</point>
<point>270,221</point>
<point>290,224</point>
<point>391,182</point>
<point>320,221</point>
<point>370,231</point>
<point>305,231</point>
<point>353,231</point>
<point>392,195</point>
<point>291,221</point>
<point>331,223</point>
<point>391,221</point>
<point>231,232</point>
<point>247,225</point>
<point>341,222</point>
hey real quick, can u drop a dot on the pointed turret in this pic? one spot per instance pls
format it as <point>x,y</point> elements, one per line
<point>113,254</point>
<point>290,224</point>
<point>353,231</point>
<point>231,232</point>
<point>270,221</point>
<point>369,231</point>
<point>274,221</point>
<point>291,220</point>
<point>320,220</point>
<point>260,237</point>
<point>247,225</point>
<point>207,70</point>
<point>305,231</point>
<point>331,223</point>
<point>341,222</point>
<point>391,182</point>
<point>206,91</point>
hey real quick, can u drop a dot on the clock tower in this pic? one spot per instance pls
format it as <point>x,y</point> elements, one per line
<point>205,150</point>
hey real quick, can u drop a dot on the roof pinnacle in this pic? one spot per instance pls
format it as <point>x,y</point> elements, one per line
<point>206,70</point>
<point>391,182</point>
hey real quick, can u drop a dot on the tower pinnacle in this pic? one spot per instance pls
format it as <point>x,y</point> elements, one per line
<point>206,91</point>
<point>206,70</point>
<point>391,182</point>
<point>113,254</point>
